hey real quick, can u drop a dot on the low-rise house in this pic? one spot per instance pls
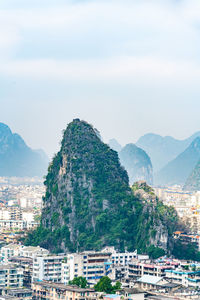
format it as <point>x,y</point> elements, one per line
<point>20,294</point>
<point>54,291</point>
<point>150,283</point>
<point>112,297</point>
<point>132,294</point>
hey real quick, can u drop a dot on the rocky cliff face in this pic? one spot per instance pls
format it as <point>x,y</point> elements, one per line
<point>137,163</point>
<point>17,159</point>
<point>89,204</point>
<point>157,221</point>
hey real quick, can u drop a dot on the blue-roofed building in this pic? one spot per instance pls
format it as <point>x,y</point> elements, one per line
<point>183,277</point>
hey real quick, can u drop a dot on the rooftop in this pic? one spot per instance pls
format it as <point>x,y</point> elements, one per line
<point>63,287</point>
<point>150,279</point>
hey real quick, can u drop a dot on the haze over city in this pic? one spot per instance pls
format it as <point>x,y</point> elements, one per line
<point>127,67</point>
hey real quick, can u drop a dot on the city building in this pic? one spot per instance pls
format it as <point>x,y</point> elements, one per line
<point>31,251</point>
<point>26,263</point>
<point>137,269</point>
<point>8,251</point>
<point>55,291</point>
<point>184,278</point>
<point>47,267</point>
<point>11,276</point>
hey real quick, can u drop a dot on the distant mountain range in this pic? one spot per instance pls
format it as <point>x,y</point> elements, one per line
<point>113,143</point>
<point>178,170</point>
<point>162,150</point>
<point>193,181</point>
<point>137,163</point>
<point>168,160</point>
<point>135,160</point>
<point>17,159</point>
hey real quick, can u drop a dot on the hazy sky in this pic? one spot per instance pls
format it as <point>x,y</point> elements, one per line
<point>127,66</point>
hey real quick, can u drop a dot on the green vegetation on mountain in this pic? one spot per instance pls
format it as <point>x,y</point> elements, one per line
<point>89,204</point>
<point>186,251</point>
<point>17,159</point>
<point>193,181</point>
<point>137,163</point>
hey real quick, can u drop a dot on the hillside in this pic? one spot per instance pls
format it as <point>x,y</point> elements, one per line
<point>178,170</point>
<point>89,204</point>
<point>193,181</point>
<point>17,159</point>
<point>137,163</point>
<point>162,150</point>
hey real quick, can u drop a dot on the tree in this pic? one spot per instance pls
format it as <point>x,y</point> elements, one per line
<point>155,252</point>
<point>117,286</point>
<point>104,285</point>
<point>79,281</point>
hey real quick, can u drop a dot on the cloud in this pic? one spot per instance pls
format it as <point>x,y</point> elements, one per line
<point>119,69</point>
<point>97,53</point>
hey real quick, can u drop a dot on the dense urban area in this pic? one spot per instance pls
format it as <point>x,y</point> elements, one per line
<point>32,272</point>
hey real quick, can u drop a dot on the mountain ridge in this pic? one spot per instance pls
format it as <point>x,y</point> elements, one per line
<point>137,163</point>
<point>178,170</point>
<point>17,159</point>
<point>163,149</point>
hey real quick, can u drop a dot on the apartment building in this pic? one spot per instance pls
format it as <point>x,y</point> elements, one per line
<point>9,251</point>
<point>47,267</point>
<point>65,272</point>
<point>183,277</point>
<point>55,291</point>
<point>89,264</point>
<point>11,276</point>
<point>17,225</point>
<point>122,259</point>
<point>31,251</point>
<point>26,263</point>
<point>137,269</point>
<point>12,225</point>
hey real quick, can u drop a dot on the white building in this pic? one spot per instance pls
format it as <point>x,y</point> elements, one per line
<point>47,268</point>
<point>9,251</point>
<point>17,225</point>
<point>65,272</point>
<point>12,225</point>
<point>32,252</point>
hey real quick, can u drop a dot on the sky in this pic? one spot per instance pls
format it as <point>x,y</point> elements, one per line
<point>128,67</point>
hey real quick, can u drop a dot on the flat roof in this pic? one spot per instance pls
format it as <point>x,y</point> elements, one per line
<point>8,266</point>
<point>63,286</point>
<point>150,279</point>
